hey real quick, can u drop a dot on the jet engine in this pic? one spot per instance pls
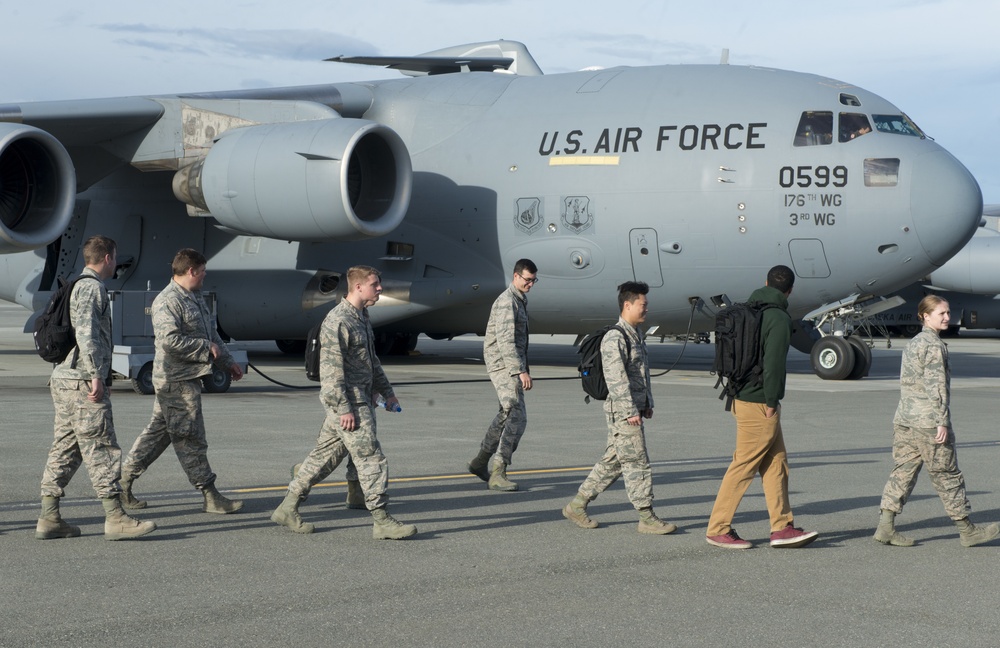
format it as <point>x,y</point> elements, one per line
<point>37,188</point>
<point>321,180</point>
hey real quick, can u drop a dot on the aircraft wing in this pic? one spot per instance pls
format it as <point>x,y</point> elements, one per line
<point>84,122</point>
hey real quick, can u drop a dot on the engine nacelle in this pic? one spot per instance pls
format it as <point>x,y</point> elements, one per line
<point>321,180</point>
<point>37,188</point>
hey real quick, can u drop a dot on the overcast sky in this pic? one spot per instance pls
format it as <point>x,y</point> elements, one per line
<point>938,60</point>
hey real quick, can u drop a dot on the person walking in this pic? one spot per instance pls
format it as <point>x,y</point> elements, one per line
<point>760,444</point>
<point>922,433</point>
<point>505,351</point>
<point>350,378</point>
<point>629,401</point>
<point>187,346</point>
<point>81,394</point>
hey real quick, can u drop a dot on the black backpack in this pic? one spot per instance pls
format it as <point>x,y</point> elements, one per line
<point>53,331</point>
<point>591,366</point>
<point>737,348</point>
<point>312,352</point>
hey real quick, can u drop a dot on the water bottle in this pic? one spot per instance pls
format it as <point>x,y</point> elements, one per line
<point>380,402</point>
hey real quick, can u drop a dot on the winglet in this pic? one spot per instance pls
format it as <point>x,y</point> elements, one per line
<point>508,57</point>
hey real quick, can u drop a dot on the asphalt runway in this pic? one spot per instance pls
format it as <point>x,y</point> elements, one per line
<point>504,569</point>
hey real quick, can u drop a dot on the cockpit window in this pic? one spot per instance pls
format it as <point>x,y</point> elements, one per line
<point>853,126</point>
<point>897,124</point>
<point>815,128</point>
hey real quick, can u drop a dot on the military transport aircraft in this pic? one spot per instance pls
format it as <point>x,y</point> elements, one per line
<point>693,178</point>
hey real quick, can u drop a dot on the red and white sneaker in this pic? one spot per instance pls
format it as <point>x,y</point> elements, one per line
<point>791,537</point>
<point>728,541</point>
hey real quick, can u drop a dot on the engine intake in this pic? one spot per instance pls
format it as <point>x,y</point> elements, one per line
<point>37,188</point>
<point>321,180</point>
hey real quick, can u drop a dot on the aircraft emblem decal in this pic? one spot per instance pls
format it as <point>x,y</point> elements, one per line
<point>576,213</point>
<point>527,216</point>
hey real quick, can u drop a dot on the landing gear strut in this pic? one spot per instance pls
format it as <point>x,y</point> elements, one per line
<point>842,353</point>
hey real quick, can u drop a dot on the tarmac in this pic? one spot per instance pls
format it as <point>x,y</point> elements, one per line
<point>504,569</point>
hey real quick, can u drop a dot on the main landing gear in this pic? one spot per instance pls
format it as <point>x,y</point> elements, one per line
<point>841,352</point>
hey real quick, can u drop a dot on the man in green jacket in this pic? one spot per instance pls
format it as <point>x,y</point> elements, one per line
<point>760,446</point>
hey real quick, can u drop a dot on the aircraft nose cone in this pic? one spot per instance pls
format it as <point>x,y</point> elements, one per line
<point>946,204</point>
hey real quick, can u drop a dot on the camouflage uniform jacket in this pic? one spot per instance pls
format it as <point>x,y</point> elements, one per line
<point>626,370</point>
<point>506,345</point>
<point>90,314</point>
<point>924,383</point>
<point>184,331</point>
<point>349,370</point>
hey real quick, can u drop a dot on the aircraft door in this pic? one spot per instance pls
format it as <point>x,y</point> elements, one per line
<point>809,258</point>
<point>645,256</point>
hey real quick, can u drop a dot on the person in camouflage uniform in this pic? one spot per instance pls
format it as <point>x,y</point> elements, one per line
<point>350,378</point>
<point>922,433</point>
<point>630,399</point>
<point>187,345</point>
<point>81,395</point>
<point>505,351</point>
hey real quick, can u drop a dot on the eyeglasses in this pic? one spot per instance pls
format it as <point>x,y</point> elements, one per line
<point>532,280</point>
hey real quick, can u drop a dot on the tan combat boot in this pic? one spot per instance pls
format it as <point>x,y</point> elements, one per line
<point>886,531</point>
<point>287,514</point>
<point>498,478</point>
<point>355,496</point>
<point>576,512</point>
<point>389,528</point>
<point>649,523</point>
<point>216,503</point>
<point>50,523</point>
<point>119,526</point>
<point>971,535</point>
<point>480,466</point>
<point>127,499</point>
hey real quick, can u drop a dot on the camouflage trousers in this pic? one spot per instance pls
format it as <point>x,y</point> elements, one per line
<point>334,443</point>
<point>760,448</point>
<point>508,425</point>
<point>84,434</point>
<point>626,456</point>
<point>911,449</point>
<point>177,420</point>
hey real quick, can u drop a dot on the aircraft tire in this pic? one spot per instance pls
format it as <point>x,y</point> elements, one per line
<point>218,382</point>
<point>862,358</point>
<point>143,381</point>
<point>832,358</point>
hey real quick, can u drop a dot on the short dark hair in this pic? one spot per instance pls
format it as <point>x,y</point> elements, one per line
<point>630,291</point>
<point>781,278</point>
<point>187,259</point>
<point>97,247</point>
<point>525,264</point>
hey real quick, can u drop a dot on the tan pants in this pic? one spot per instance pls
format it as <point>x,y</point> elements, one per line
<point>759,448</point>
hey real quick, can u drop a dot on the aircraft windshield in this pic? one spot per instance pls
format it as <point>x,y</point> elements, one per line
<point>853,126</point>
<point>897,124</point>
<point>815,128</point>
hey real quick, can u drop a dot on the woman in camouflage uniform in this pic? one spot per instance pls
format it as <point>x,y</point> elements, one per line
<point>922,432</point>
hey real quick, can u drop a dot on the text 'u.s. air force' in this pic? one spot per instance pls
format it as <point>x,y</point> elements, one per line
<point>626,139</point>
